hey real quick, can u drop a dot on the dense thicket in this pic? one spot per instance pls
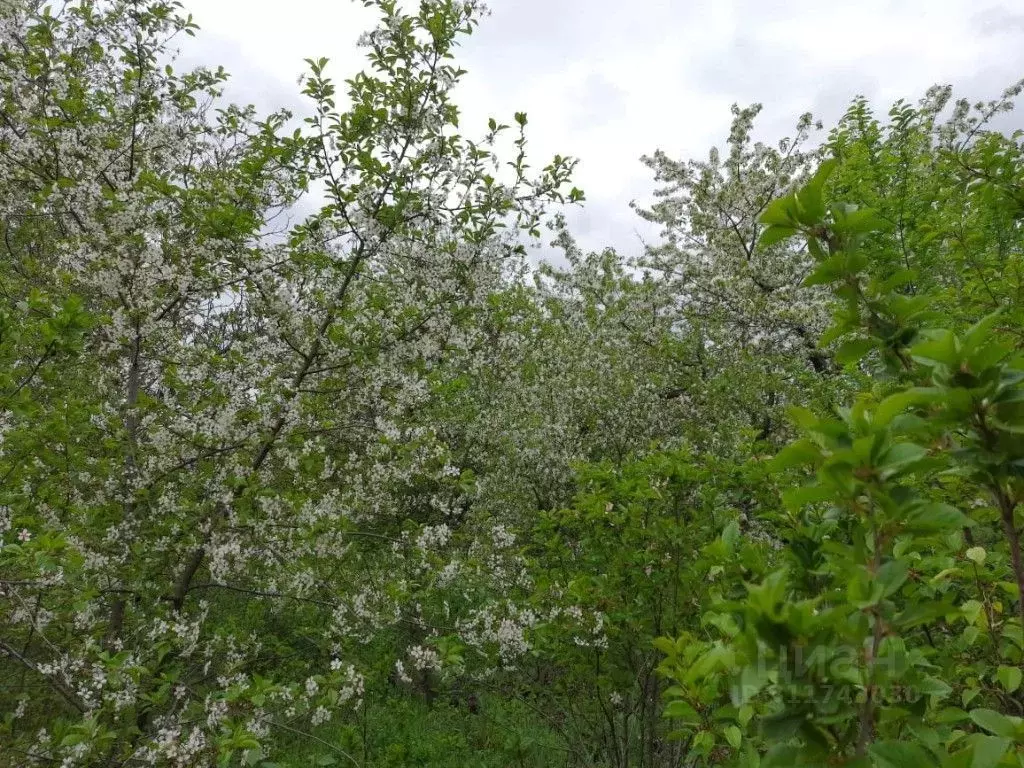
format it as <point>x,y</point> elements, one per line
<point>361,487</point>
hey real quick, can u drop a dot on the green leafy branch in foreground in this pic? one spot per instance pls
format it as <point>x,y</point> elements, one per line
<point>886,604</point>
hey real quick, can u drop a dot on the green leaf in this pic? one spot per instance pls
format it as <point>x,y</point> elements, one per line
<point>923,612</point>
<point>1009,678</point>
<point>862,221</point>
<point>951,715</point>
<point>828,271</point>
<point>900,754</point>
<point>796,499</point>
<point>703,743</point>
<point>746,712</point>
<point>775,234</point>
<point>823,173</point>
<point>978,332</point>
<point>987,751</point>
<point>803,417</point>
<point>780,213</point>
<point>940,346</point>
<point>901,455</point>
<point>834,332</point>
<point>680,710</point>
<point>892,576</point>
<point>937,517</point>
<point>933,686</point>
<point>810,207</point>
<point>730,536</point>
<point>898,280</point>
<point>853,351</point>
<point>796,454</point>
<point>665,645</point>
<point>993,722</point>
<point>733,736</point>
<point>898,402</point>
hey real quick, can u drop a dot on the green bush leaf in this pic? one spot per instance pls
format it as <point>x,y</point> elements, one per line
<point>775,234</point>
<point>780,213</point>
<point>900,754</point>
<point>854,350</point>
<point>988,751</point>
<point>1009,678</point>
<point>680,710</point>
<point>993,722</point>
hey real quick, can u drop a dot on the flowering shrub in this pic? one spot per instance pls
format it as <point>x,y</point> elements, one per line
<point>208,427</point>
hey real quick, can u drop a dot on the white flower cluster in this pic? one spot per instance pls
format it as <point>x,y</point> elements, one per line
<point>433,536</point>
<point>424,658</point>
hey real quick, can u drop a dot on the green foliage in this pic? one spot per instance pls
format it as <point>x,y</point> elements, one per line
<point>632,558</point>
<point>395,731</point>
<point>373,490</point>
<point>854,649</point>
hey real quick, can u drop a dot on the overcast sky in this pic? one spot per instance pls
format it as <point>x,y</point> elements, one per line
<point>610,80</point>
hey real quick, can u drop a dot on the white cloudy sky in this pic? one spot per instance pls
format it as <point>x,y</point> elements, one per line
<point>609,80</point>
